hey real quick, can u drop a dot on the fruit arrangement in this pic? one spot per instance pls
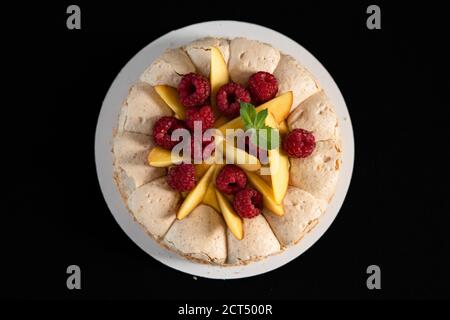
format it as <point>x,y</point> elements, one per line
<point>226,151</point>
<point>236,190</point>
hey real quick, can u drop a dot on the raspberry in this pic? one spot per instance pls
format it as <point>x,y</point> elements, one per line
<point>229,97</point>
<point>182,177</point>
<point>299,143</point>
<point>162,131</point>
<point>248,203</point>
<point>263,86</point>
<point>204,114</point>
<point>231,179</point>
<point>199,149</point>
<point>194,90</point>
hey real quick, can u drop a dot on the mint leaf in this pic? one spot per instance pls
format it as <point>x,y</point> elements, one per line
<point>246,114</point>
<point>245,105</point>
<point>262,136</point>
<point>260,118</point>
<point>251,111</point>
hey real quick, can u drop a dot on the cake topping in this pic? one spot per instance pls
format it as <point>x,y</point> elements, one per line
<point>182,177</point>
<point>204,115</point>
<point>194,90</point>
<point>299,143</point>
<point>261,134</point>
<point>248,203</point>
<point>263,86</point>
<point>162,131</point>
<point>231,179</point>
<point>229,97</point>
<point>240,190</point>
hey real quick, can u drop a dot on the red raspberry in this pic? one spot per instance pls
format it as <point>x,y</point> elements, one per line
<point>263,86</point>
<point>229,97</point>
<point>204,114</point>
<point>182,177</point>
<point>231,179</point>
<point>299,143</point>
<point>162,131</point>
<point>194,90</point>
<point>197,153</point>
<point>248,203</point>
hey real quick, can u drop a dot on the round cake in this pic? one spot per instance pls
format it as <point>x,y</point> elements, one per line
<point>227,203</point>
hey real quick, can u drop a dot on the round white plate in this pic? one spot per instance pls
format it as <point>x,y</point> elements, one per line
<point>108,119</point>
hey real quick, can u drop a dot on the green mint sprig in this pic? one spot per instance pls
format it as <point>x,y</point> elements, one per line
<point>262,136</point>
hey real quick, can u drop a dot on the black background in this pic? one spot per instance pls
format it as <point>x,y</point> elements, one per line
<point>395,82</point>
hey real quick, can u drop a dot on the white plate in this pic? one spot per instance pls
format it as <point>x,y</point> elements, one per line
<point>108,119</point>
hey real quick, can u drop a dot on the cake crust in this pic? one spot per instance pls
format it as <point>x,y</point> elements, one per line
<point>200,53</point>
<point>258,242</point>
<point>250,56</point>
<point>141,109</point>
<point>301,212</point>
<point>200,236</point>
<point>168,68</point>
<point>315,114</point>
<point>296,78</point>
<point>154,206</point>
<point>318,174</point>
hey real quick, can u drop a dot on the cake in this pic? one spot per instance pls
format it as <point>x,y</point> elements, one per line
<point>229,213</point>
